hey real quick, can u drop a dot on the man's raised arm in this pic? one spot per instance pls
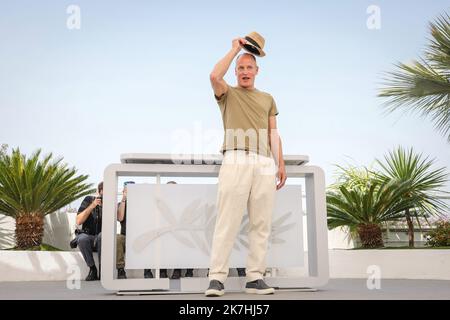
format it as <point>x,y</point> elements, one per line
<point>220,69</point>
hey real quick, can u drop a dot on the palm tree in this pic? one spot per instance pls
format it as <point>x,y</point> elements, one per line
<point>363,206</point>
<point>423,184</point>
<point>424,86</point>
<point>32,188</point>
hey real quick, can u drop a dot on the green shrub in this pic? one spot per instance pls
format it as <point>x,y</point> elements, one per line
<point>440,235</point>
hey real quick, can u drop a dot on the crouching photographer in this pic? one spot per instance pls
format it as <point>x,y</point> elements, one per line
<point>88,238</point>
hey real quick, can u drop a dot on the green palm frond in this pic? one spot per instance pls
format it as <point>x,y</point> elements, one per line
<point>424,86</point>
<point>375,205</point>
<point>37,186</point>
<point>438,52</point>
<point>422,181</point>
<point>3,148</point>
<point>353,177</point>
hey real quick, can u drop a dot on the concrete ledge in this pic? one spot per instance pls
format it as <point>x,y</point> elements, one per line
<point>42,265</point>
<point>52,266</point>
<point>392,264</point>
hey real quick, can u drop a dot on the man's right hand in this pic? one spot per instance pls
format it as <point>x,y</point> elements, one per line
<point>238,43</point>
<point>96,202</point>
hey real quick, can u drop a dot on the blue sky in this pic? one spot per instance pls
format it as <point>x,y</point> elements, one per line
<point>137,73</point>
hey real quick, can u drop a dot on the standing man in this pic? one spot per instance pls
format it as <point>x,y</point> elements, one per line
<point>121,238</point>
<point>121,241</point>
<point>177,272</point>
<point>252,164</point>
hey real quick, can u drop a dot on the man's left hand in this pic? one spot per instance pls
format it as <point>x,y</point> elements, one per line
<point>281,177</point>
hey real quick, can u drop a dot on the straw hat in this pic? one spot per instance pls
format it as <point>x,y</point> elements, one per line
<point>255,44</point>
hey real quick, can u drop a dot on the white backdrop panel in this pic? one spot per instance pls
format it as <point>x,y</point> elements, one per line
<point>172,225</point>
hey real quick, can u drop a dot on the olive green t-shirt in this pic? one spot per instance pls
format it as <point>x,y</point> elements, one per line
<point>245,116</point>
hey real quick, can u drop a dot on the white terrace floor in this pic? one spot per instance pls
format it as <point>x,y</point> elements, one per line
<point>336,289</point>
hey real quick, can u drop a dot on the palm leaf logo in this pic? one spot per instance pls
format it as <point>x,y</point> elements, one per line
<point>197,217</point>
<point>190,215</point>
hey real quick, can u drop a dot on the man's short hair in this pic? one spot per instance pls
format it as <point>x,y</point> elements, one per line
<point>245,54</point>
<point>100,186</point>
<point>171,182</point>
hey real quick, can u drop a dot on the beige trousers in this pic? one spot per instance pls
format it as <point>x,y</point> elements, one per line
<point>246,181</point>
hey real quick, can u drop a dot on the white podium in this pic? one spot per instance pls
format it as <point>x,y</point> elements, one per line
<point>159,165</point>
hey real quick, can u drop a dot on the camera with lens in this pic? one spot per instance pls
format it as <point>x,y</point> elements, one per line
<point>101,199</point>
